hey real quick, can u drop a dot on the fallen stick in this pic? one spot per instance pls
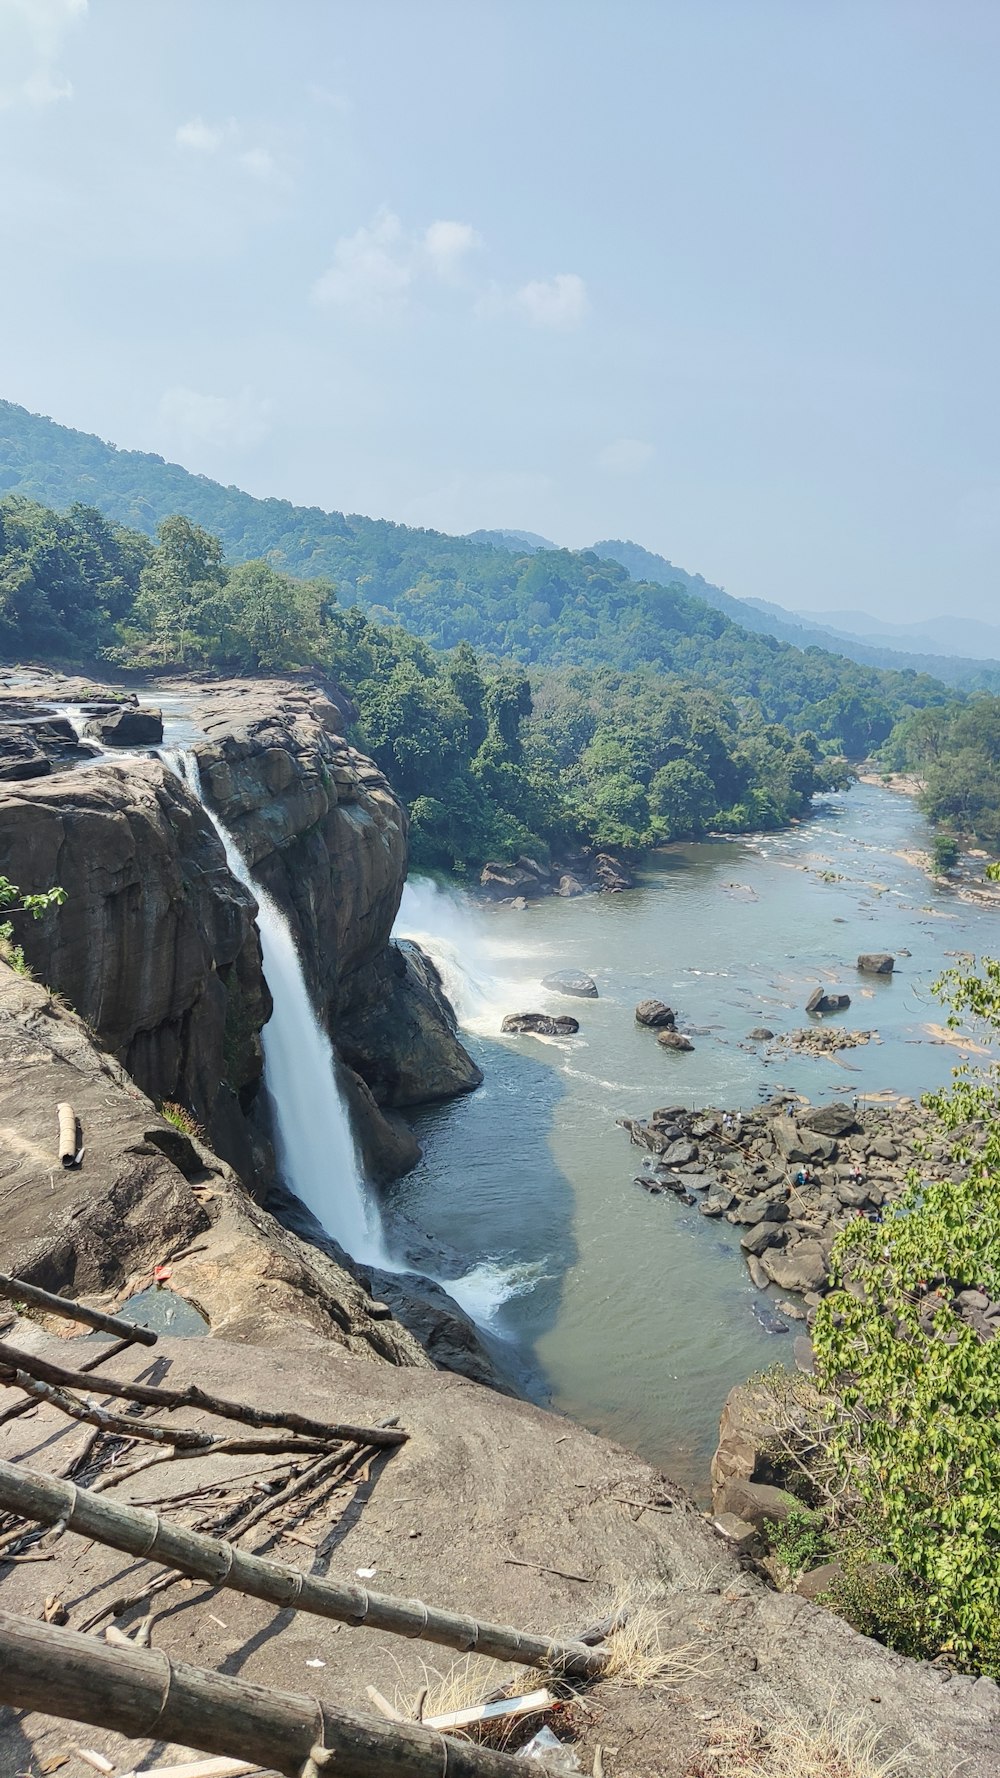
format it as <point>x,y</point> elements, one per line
<point>183,1438</point>
<point>192,1397</point>
<point>142,1693</point>
<point>142,1533</point>
<point>17,1291</point>
<point>110,1351</point>
<point>66,1117</point>
<point>543,1568</point>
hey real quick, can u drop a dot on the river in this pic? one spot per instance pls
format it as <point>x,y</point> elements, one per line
<point>634,1314</point>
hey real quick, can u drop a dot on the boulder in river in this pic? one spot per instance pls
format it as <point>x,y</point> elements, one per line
<point>656,1014</point>
<point>506,882</point>
<point>569,886</point>
<point>820,1001</point>
<point>571,981</point>
<point>801,1267</point>
<point>540,1024</point>
<point>673,1040</point>
<point>876,963</point>
<point>760,1034</point>
<point>127,727</point>
<point>836,1119</point>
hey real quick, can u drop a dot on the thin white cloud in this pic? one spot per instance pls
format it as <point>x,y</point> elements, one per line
<point>554,302</point>
<point>32,38</point>
<point>259,162</point>
<point>229,422</point>
<point>202,137</point>
<point>625,456</point>
<point>376,268</point>
<point>447,245</point>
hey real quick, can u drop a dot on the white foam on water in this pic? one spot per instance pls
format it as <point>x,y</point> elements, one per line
<point>483,1291</point>
<point>486,974</point>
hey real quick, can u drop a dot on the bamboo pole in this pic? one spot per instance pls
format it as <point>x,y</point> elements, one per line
<point>142,1533</point>
<point>184,1438</point>
<point>139,1692</point>
<point>17,1291</point>
<point>66,1118</point>
<point>193,1397</point>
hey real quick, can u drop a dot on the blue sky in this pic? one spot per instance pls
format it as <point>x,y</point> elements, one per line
<point>720,277</point>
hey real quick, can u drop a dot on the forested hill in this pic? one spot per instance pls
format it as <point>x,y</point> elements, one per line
<point>788,626</point>
<point>556,608</point>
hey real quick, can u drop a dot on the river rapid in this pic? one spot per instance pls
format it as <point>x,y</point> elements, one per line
<point>631,1313</point>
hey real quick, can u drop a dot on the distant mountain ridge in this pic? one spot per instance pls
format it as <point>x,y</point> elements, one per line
<point>513,600</point>
<point>976,672</point>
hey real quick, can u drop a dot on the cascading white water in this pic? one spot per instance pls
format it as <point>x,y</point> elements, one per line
<point>315,1147</point>
<point>485,975</point>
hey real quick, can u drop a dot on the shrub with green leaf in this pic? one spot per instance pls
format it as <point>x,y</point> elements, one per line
<point>34,905</point>
<point>916,1382</point>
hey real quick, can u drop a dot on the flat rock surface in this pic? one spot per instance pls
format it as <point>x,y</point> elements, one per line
<point>520,1517</point>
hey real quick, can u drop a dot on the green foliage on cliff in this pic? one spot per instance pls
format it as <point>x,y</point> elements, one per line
<point>544,607</point>
<point>955,748</point>
<point>35,905</point>
<point>916,1388</point>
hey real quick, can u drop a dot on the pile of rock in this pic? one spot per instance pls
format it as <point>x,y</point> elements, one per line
<point>661,1018</point>
<point>540,1024</point>
<point>527,880</point>
<point>822,1040</point>
<point>791,1175</point>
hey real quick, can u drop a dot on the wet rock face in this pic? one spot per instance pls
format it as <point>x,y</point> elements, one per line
<point>155,945</point>
<point>673,1040</point>
<point>127,727</point>
<point>403,1038</point>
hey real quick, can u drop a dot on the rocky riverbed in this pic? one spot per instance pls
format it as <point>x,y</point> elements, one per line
<point>790,1174</point>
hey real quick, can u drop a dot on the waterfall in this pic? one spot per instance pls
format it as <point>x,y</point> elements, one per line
<point>315,1148</point>
<point>487,970</point>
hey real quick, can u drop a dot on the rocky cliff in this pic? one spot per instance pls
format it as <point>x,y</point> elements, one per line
<point>325,835</point>
<point>155,945</point>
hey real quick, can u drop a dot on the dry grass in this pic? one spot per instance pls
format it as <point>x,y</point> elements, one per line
<point>467,1682</point>
<point>640,1652</point>
<point>790,1747</point>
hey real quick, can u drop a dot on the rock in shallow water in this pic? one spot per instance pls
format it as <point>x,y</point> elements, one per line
<point>876,963</point>
<point>673,1040</point>
<point>571,981</point>
<point>820,1001</point>
<point>127,727</point>
<point>540,1024</point>
<point>656,1014</point>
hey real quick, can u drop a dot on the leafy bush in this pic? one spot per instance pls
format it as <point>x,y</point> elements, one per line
<point>35,905</point>
<point>916,1388</point>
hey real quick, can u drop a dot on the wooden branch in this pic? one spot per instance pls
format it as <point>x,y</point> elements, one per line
<point>192,1397</point>
<point>142,1533</point>
<point>17,1291</point>
<point>109,1351</point>
<point>141,1693</point>
<point>183,1438</point>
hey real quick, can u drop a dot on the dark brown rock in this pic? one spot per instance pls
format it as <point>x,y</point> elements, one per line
<point>876,963</point>
<point>821,1001</point>
<point>540,1024</point>
<point>611,875</point>
<point>673,1040</point>
<point>402,1038</point>
<point>21,757</point>
<point>127,727</point>
<point>656,1014</point>
<point>837,1119</point>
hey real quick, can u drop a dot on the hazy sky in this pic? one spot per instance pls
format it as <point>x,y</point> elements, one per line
<point>720,277</point>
